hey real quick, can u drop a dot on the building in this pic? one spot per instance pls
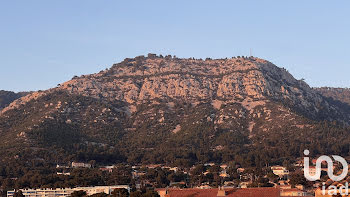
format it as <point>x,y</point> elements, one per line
<point>175,169</point>
<point>209,164</point>
<point>67,191</point>
<point>80,165</point>
<point>180,184</point>
<point>314,161</point>
<point>240,170</point>
<point>333,188</point>
<point>313,170</point>
<point>319,193</point>
<point>279,170</point>
<point>285,186</point>
<point>216,192</point>
<point>244,184</point>
<point>62,166</point>
<point>292,192</point>
<point>224,174</point>
<point>301,187</point>
<point>63,173</point>
<point>299,163</point>
<point>136,174</point>
<point>107,169</point>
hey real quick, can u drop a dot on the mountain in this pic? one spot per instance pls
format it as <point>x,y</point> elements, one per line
<point>7,97</point>
<point>159,109</point>
<point>340,94</point>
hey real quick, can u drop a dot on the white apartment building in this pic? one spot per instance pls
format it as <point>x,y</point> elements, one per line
<point>80,165</point>
<point>67,191</point>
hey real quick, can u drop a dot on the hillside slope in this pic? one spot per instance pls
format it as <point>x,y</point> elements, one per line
<point>340,94</point>
<point>7,97</point>
<point>179,111</point>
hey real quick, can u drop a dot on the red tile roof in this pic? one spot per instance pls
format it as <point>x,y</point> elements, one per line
<point>245,192</point>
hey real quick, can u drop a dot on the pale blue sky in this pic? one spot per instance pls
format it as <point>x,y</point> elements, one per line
<point>43,43</point>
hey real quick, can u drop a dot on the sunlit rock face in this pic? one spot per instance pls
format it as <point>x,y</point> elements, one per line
<point>236,80</point>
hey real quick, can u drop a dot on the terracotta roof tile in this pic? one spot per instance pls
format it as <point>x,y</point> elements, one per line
<point>246,192</point>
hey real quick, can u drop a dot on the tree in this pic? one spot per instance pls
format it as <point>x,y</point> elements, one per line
<point>80,193</point>
<point>151,193</point>
<point>18,194</point>
<point>136,194</point>
<point>99,195</point>
<point>151,55</point>
<point>272,177</point>
<point>198,170</point>
<point>120,192</point>
<point>214,169</point>
<point>92,163</point>
<point>297,178</point>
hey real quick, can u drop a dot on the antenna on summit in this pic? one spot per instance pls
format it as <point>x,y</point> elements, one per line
<point>251,52</point>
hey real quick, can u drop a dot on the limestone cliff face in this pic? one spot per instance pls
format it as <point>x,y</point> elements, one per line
<point>158,78</point>
<point>191,80</point>
<point>237,80</point>
<point>143,106</point>
<point>140,80</point>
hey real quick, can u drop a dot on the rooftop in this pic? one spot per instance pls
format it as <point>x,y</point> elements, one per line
<point>246,192</point>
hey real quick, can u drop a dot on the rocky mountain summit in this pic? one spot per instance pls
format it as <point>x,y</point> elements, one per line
<point>248,81</point>
<point>182,110</point>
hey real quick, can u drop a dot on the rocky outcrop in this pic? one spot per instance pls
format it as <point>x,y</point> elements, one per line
<point>143,106</point>
<point>139,80</point>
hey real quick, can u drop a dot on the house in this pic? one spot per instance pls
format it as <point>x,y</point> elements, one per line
<point>224,174</point>
<point>137,174</point>
<point>312,170</point>
<point>209,164</point>
<point>63,173</point>
<point>204,186</point>
<point>292,192</point>
<point>80,165</point>
<point>174,169</point>
<point>61,166</point>
<point>229,183</point>
<point>315,160</point>
<point>107,168</point>
<point>152,166</point>
<point>282,182</point>
<point>104,169</point>
<point>240,170</point>
<point>301,187</point>
<point>299,163</point>
<point>332,188</point>
<point>280,171</point>
<point>319,193</point>
<point>285,186</point>
<point>244,184</point>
